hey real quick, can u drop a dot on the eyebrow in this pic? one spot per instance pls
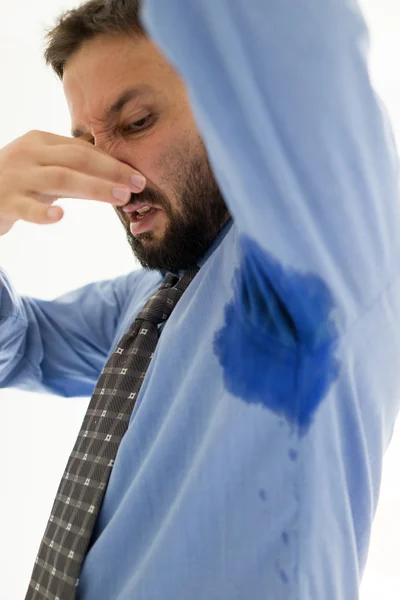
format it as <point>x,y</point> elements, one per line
<point>128,95</point>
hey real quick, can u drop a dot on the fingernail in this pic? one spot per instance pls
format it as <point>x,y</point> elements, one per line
<point>138,181</point>
<point>53,212</point>
<point>122,194</point>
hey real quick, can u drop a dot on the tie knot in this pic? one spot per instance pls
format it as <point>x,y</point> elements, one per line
<point>161,304</point>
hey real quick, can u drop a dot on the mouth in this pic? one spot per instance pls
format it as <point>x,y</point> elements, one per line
<point>142,218</point>
<point>137,216</point>
<point>139,210</point>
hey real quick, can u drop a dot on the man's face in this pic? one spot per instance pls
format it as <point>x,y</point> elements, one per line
<point>155,133</point>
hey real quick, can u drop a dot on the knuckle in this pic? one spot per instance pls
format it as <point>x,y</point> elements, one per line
<point>56,177</point>
<point>23,147</point>
<point>34,216</point>
<point>14,210</point>
<point>10,154</point>
<point>10,179</point>
<point>26,212</point>
<point>100,190</point>
<point>6,211</point>
<point>122,174</point>
<point>35,134</point>
<point>30,137</point>
<point>81,157</point>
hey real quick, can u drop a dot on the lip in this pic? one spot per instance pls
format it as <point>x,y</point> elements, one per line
<point>144,224</point>
<point>133,207</point>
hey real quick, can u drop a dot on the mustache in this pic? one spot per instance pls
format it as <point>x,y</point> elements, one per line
<point>145,197</point>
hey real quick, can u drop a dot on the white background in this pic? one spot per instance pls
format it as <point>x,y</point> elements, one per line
<point>37,431</point>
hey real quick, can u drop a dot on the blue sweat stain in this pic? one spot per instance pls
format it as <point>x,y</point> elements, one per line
<point>263,494</point>
<point>277,346</point>
<point>283,576</point>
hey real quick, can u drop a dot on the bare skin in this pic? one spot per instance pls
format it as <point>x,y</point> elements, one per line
<point>154,131</point>
<point>151,133</point>
<point>38,168</point>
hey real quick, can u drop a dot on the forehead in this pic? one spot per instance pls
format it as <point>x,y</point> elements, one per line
<point>106,66</point>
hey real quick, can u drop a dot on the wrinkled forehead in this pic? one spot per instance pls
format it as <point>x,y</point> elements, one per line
<point>103,68</point>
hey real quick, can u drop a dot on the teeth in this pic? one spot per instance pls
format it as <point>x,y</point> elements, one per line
<point>143,210</point>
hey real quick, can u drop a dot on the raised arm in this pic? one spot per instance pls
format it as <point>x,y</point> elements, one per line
<point>298,141</point>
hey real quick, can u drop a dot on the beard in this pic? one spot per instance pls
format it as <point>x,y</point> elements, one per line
<point>191,230</point>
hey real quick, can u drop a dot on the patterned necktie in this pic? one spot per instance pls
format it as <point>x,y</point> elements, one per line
<point>80,494</point>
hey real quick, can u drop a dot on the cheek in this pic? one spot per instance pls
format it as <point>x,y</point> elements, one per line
<point>167,170</point>
<point>172,163</point>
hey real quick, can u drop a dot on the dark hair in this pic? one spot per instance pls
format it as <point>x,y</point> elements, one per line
<point>90,19</point>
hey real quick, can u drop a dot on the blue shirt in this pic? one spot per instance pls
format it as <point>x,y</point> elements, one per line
<point>252,461</point>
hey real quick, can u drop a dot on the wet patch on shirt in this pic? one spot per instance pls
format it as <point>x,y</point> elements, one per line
<point>283,576</point>
<point>263,494</point>
<point>277,346</point>
<point>281,572</point>
<point>285,537</point>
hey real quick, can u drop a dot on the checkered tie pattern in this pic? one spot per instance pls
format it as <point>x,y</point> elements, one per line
<point>80,494</point>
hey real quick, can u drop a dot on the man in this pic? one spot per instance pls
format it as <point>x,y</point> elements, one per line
<point>251,464</point>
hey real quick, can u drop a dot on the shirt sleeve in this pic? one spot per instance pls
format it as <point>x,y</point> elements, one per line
<point>60,346</point>
<point>299,143</point>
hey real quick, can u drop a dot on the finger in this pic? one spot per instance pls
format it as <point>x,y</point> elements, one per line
<point>27,209</point>
<point>45,199</point>
<point>85,160</point>
<point>66,183</point>
<point>53,139</point>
